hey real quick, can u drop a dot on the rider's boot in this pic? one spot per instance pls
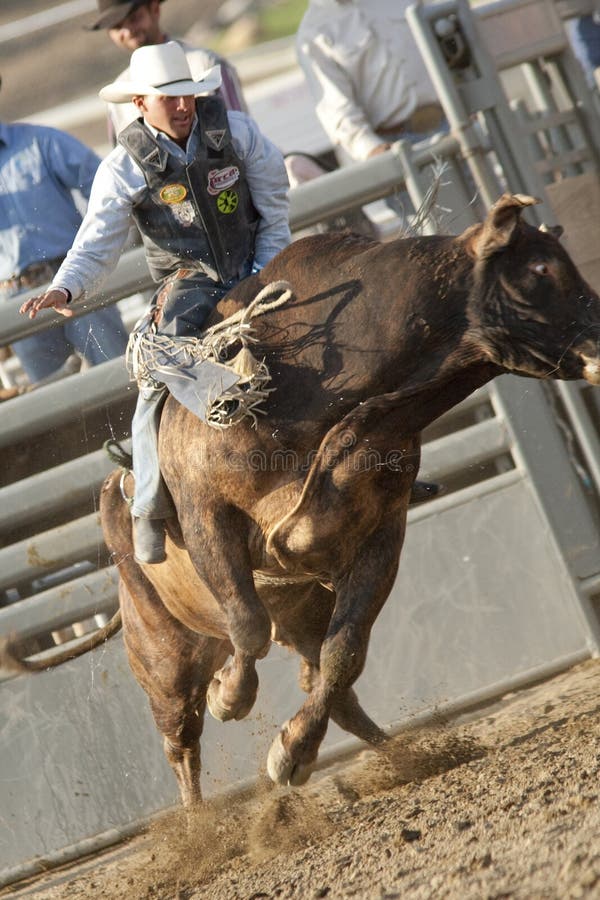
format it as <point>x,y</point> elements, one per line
<point>149,540</point>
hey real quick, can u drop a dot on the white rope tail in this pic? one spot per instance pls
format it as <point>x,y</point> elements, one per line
<point>150,354</point>
<point>245,397</point>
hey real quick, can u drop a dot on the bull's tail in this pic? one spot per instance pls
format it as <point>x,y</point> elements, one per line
<point>12,662</point>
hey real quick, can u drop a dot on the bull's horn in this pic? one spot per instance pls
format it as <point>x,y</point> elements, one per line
<point>556,230</point>
<point>591,369</point>
<point>525,199</point>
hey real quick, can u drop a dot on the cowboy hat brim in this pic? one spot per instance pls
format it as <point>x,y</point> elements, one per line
<point>123,91</point>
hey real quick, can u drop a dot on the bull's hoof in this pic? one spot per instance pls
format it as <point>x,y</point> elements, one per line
<point>224,709</point>
<point>215,707</point>
<point>282,769</point>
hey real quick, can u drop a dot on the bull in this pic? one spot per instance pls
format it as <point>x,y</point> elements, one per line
<point>378,341</point>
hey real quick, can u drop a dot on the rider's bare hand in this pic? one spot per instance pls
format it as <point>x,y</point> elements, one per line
<point>52,299</point>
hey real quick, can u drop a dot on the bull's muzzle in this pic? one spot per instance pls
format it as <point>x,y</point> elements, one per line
<point>591,369</point>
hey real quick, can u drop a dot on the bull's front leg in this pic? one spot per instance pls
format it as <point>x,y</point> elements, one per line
<point>346,710</point>
<point>360,595</point>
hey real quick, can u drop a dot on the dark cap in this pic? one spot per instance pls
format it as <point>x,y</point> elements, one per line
<point>112,12</point>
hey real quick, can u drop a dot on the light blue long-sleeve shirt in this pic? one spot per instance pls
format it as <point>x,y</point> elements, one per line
<point>39,168</point>
<point>120,182</point>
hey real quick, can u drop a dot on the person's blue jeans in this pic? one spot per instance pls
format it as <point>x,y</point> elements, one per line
<point>98,336</point>
<point>584,33</point>
<point>151,499</point>
<point>189,302</point>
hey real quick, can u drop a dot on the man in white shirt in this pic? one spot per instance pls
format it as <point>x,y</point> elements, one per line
<point>132,24</point>
<point>366,75</point>
<point>209,195</point>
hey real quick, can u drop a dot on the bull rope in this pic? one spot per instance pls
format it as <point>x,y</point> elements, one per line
<point>264,579</point>
<point>149,354</point>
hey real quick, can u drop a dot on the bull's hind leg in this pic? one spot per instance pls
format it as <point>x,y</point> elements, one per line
<point>218,548</point>
<point>173,664</point>
<point>360,594</point>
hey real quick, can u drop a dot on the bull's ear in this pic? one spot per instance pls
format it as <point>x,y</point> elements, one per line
<point>556,231</point>
<point>499,228</point>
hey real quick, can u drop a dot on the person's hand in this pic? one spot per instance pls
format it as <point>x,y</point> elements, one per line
<point>380,148</point>
<point>52,299</point>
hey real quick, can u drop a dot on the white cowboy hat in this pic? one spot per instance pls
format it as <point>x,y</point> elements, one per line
<point>161,69</point>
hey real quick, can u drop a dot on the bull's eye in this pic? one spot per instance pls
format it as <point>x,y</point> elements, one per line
<point>541,269</point>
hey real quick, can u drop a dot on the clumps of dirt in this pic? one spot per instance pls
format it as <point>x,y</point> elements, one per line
<point>186,849</point>
<point>181,851</point>
<point>412,756</point>
<point>288,822</point>
<point>190,846</point>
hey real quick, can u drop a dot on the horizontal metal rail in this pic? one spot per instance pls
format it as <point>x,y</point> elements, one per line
<point>477,400</point>
<point>58,607</point>
<point>546,120</point>
<point>464,496</point>
<point>471,446</point>
<point>130,276</point>
<point>53,405</point>
<point>66,485</point>
<point>51,551</point>
<point>561,160</point>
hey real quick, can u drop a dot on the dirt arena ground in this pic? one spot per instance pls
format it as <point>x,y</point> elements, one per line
<point>500,804</point>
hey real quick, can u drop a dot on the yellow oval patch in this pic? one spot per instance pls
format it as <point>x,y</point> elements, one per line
<point>173,193</point>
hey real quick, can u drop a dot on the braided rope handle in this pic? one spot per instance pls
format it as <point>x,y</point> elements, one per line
<point>256,308</point>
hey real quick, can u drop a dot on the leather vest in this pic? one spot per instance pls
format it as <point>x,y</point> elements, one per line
<point>195,215</point>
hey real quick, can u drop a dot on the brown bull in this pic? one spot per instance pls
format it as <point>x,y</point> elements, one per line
<point>379,340</point>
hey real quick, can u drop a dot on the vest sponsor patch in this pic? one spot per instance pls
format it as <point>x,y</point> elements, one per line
<point>227,201</point>
<point>215,137</point>
<point>220,179</point>
<point>184,213</point>
<point>173,193</point>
